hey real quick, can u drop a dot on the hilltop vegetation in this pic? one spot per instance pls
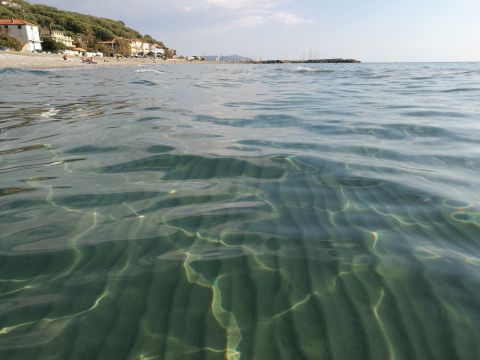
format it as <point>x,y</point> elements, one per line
<point>92,29</point>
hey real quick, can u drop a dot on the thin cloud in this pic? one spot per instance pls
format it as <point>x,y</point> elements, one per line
<point>244,4</point>
<point>241,5</point>
<point>283,18</point>
<point>246,13</point>
<point>287,18</point>
<point>198,14</point>
<point>248,21</point>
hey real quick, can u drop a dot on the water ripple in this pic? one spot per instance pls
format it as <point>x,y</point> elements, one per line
<point>240,212</point>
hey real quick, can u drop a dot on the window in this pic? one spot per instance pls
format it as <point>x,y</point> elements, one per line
<point>19,26</point>
<point>5,27</point>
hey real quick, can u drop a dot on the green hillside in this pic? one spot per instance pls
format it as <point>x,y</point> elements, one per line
<point>98,29</point>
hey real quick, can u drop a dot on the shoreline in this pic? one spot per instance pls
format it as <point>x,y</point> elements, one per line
<point>31,61</point>
<point>34,61</point>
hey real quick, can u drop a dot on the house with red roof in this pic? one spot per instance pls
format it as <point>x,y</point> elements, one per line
<point>26,33</point>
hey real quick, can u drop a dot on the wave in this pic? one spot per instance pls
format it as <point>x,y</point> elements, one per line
<point>305,69</point>
<point>149,71</point>
<point>15,71</point>
<point>49,113</point>
<point>143,82</point>
<point>459,90</point>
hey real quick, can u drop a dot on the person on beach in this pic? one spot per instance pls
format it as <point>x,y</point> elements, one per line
<point>65,57</point>
<point>88,60</point>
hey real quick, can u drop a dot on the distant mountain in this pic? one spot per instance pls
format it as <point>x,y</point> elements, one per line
<point>228,58</point>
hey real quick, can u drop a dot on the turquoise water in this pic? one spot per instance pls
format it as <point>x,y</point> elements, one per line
<point>240,212</point>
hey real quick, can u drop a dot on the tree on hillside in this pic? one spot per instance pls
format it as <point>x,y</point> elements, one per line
<point>124,47</point>
<point>108,51</point>
<point>48,44</point>
<point>9,42</point>
<point>88,41</point>
<point>76,26</point>
<point>6,13</point>
<point>170,53</point>
<point>90,28</point>
<point>149,39</point>
<point>103,34</point>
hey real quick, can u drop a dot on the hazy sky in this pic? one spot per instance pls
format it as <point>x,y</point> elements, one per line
<point>369,30</point>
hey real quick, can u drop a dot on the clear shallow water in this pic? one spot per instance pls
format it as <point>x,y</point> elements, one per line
<point>240,212</point>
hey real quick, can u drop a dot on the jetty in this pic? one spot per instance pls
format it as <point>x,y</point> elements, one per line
<point>312,61</point>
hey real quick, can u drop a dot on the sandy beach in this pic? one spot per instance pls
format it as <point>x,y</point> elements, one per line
<point>10,59</point>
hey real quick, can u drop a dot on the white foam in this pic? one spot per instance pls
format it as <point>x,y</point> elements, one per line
<point>50,113</point>
<point>304,69</point>
<point>149,70</point>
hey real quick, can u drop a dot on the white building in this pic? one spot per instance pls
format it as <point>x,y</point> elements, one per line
<point>58,36</point>
<point>157,50</point>
<point>145,48</point>
<point>93,54</point>
<point>136,47</point>
<point>26,33</point>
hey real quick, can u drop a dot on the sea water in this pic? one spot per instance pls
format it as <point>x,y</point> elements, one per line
<point>240,212</point>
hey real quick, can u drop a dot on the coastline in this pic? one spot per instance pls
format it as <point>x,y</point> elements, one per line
<point>32,61</point>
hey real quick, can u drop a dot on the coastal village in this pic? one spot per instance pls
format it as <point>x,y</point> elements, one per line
<point>26,36</point>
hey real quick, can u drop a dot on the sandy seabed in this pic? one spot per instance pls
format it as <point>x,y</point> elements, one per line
<point>48,61</point>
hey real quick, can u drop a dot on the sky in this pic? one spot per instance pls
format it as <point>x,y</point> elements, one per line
<point>367,30</point>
